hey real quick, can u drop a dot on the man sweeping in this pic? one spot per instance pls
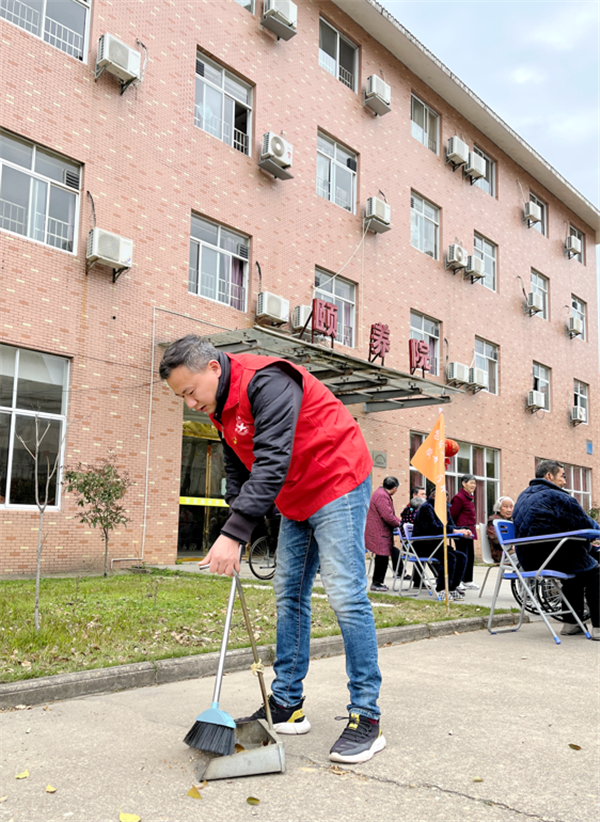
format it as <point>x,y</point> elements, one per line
<point>288,441</point>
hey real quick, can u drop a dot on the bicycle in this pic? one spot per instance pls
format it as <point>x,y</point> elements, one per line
<point>262,558</point>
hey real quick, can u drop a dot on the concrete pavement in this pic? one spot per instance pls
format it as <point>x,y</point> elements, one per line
<point>503,709</point>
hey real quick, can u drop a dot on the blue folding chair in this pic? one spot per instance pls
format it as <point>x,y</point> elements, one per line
<point>510,569</point>
<point>408,554</point>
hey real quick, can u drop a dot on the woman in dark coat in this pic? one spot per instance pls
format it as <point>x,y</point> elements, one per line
<point>463,513</point>
<point>379,528</point>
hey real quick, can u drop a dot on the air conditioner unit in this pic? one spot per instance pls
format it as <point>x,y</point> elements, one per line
<point>277,149</point>
<point>535,399</point>
<point>475,267</point>
<point>535,302</point>
<point>475,167</point>
<point>272,308</point>
<point>575,326</point>
<point>378,95</point>
<point>532,213</point>
<point>300,316</point>
<point>284,11</point>
<point>573,245</point>
<point>109,249</point>
<point>578,414</point>
<point>478,378</point>
<point>378,209</point>
<point>118,59</point>
<point>457,151</point>
<point>457,372</point>
<point>457,257</point>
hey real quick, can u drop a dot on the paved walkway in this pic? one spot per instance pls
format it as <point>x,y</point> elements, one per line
<point>478,728</point>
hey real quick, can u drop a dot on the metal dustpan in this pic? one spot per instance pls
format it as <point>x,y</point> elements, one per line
<point>258,750</point>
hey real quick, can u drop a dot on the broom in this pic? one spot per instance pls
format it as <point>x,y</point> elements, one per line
<point>214,730</point>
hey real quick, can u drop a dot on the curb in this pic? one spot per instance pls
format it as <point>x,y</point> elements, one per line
<point>145,674</point>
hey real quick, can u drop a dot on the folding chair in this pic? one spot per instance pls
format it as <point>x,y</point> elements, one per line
<point>408,554</point>
<point>486,554</point>
<point>505,531</point>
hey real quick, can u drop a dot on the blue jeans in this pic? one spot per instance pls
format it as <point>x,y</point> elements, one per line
<point>333,538</point>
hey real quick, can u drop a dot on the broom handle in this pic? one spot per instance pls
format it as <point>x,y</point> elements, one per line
<point>259,673</point>
<point>225,640</point>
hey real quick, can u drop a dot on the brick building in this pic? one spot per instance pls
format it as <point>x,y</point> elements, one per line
<point>169,163</point>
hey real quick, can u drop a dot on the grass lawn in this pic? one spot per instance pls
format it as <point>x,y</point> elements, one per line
<point>93,622</point>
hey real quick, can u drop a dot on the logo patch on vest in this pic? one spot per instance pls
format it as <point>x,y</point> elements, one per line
<point>240,427</point>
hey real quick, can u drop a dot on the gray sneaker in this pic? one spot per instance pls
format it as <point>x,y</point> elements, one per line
<point>570,628</point>
<point>359,742</point>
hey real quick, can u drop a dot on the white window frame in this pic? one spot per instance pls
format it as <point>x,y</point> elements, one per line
<point>246,4</point>
<point>540,284</point>
<point>579,311</point>
<point>487,359</point>
<point>542,379</point>
<point>237,140</point>
<point>335,160</point>
<point>333,65</point>
<point>580,397</point>
<point>488,182</point>
<point>486,251</point>
<point>419,331</point>
<point>418,219</point>
<point>584,498</point>
<point>432,142</point>
<point>50,183</point>
<point>14,10</point>
<point>14,411</point>
<point>195,273</point>
<point>542,226</point>
<point>329,290</point>
<point>574,232</point>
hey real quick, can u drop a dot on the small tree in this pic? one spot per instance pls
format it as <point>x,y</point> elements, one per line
<point>99,489</point>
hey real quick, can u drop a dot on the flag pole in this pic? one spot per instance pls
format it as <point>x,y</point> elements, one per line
<point>446,571</point>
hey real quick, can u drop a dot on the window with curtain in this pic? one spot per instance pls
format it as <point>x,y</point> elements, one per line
<point>336,173</point>
<point>342,293</point>
<point>218,263</point>
<point>486,251</point>
<point>61,23</point>
<point>39,193</point>
<point>424,328</point>
<point>486,357</point>
<point>424,124</point>
<point>223,104</point>
<point>541,382</point>
<point>33,387</point>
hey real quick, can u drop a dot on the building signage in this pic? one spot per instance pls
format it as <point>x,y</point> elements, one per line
<point>379,341</point>
<point>324,318</point>
<point>420,356</point>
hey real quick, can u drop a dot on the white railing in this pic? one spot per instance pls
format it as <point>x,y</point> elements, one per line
<point>63,38</point>
<point>211,124</point>
<point>327,62</point>
<point>13,217</point>
<point>60,234</point>
<point>240,141</point>
<point>347,77</point>
<point>323,188</point>
<point>21,15</point>
<point>342,198</point>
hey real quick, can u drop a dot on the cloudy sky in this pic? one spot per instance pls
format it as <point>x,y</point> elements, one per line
<point>535,63</point>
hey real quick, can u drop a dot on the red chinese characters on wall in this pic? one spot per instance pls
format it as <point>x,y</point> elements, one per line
<point>420,355</point>
<point>379,341</point>
<point>325,318</point>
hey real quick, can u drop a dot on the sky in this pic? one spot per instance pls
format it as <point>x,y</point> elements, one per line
<point>535,63</point>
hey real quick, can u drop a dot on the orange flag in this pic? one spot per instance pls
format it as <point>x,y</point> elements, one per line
<point>429,461</point>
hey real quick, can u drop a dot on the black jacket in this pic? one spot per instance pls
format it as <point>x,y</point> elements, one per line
<point>426,524</point>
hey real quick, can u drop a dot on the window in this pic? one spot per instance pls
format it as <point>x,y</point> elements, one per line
<point>487,183</point>
<point>424,225</point>
<point>424,328</point>
<point>39,193</point>
<point>337,55</point>
<point>61,23</point>
<point>424,124</point>
<point>486,357</point>
<point>578,310</point>
<point>336,173</point>
<point>579,482</point>
<point>218,263</point>
<point>482,462</point>
<point>580,397</point>
<point>247,4</point>
<point>31,385</point>
<point>541,382</point>
<point>574,233</point>
<point>340,292</point>
<point>541,226</point>
<point>223,104</point>
<point>486,251</point>
<point>539,285</point>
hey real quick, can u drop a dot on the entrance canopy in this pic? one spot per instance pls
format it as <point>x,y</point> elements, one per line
<point>351,379</point>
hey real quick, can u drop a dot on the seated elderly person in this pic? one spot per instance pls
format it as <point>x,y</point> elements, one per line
<point>503,508</point>
<point>546,508</point>
<point>428,524</point>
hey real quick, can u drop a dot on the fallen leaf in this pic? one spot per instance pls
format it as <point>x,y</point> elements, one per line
<point>194,793</point>
<point>50,789</point>
<point>129,817</point>
<point>575,747</point>
<point>477,779</point>
<point>336,770</point>
<point>252,800</point>
<point>23,775</point>
<point>238,748</point>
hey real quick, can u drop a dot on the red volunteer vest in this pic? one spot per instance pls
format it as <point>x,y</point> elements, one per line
<point>330,456</point>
